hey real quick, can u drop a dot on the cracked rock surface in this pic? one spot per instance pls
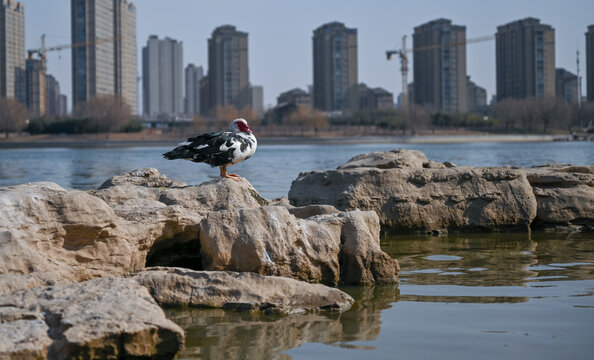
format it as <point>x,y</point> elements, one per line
<point>242,291</point>
<point>107,318</point>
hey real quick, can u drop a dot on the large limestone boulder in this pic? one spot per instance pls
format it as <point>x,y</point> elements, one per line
<point>169,210</point>
<point>424,199</point>
<point>330,248</point>
<point>242,291</point>
<point>49,235</point>
<point>103,318</point>
<point>565,196</point>
<point>393,159</point>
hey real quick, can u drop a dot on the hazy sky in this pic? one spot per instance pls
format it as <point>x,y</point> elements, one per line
<point>280,33</point>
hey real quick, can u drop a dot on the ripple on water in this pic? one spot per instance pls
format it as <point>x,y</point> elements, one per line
<point>443,257</point>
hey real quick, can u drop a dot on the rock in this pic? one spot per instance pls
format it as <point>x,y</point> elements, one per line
<point>243,291</point>
<point>304,212</point>
<point>270,241</point>
<point>424,199</point>
<point>103,318</point>
<point>433,165</point>
<point>393,159</point>
<point>23,334</point>
<point>148,177</point>
<point>50,236</point>
<point>565,196</point>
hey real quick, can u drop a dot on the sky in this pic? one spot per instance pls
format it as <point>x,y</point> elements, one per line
<point>280,34</point>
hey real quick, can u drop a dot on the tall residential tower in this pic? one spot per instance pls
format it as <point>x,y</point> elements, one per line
<point>192,99</point>
<point>590,62</point>
<point>525,59</point>
<point>162,74</point>
<point>228,72</point>
<point>12,50</point>
<point>440,66</point>
<point>334,66</point>
<point>106,65</point>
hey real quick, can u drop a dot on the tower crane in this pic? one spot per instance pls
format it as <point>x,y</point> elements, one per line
<point>42,51</point>
<point>403,51</point>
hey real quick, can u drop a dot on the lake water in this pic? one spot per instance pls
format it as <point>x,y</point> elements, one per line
<point>271,170</point>
<point>480,296</point>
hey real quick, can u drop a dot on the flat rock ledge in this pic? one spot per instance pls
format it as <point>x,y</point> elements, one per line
<point>109,318</point>
<point>412,194</point>
<point>239,291</point>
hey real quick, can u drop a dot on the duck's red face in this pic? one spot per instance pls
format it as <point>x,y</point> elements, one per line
<point>243,127</point>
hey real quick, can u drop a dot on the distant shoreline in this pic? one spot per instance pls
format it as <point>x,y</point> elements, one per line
<point>73,142</point>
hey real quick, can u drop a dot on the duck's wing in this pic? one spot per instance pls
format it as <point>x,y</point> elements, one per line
<point>215,148</point>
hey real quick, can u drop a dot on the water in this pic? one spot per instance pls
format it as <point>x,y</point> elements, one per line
<point>480,296</point>
<point>271,170</point>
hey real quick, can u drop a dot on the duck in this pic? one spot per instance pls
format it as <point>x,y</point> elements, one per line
<point>221,148</point>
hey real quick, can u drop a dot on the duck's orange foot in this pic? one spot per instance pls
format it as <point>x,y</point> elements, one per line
<point>232,176</point>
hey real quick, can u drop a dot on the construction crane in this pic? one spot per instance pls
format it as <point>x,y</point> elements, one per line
<point>41,54</point>
<point>404,59</point>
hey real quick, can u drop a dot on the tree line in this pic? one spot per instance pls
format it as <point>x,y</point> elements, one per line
<point>105,114</point>
<point>101,114</point>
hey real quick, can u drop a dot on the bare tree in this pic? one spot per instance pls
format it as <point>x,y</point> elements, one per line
<point>418,117</point>
<point>106,113</point>
<point>12,115</point>
<point>584,116</point>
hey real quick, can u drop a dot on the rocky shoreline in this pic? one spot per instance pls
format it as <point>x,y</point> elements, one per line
<point>82,273</point>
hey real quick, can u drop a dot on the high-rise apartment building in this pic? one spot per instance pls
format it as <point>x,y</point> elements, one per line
<point>52,96</point>
<point>162,74</point>
<point>35,84</point>
<point>566,86</point>
<point>257,100</point>
<point>125,53</point>
<point>63,108</point>
<point>439,66</point>
<point>525,59</point>
<point>12,50</point>
<point>477,97</point>
<point>107,67</point>
<point>228,72</point>
<point>334,66</point>
<point>590,62</point>
<point>192,100</point>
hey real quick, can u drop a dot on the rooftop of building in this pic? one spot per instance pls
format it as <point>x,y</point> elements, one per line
<point>525,22</point>
<point>333,26</point>
<point>295,91</point>
<point>563,72</point>
<point>13,5</point>
<point>227,30</point>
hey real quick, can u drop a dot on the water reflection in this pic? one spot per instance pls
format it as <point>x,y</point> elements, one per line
<point>495,259</point>
<point>223,334</point>
<point>482,269</point>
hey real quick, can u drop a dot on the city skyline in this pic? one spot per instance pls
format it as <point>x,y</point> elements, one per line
<point>380,28</point>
